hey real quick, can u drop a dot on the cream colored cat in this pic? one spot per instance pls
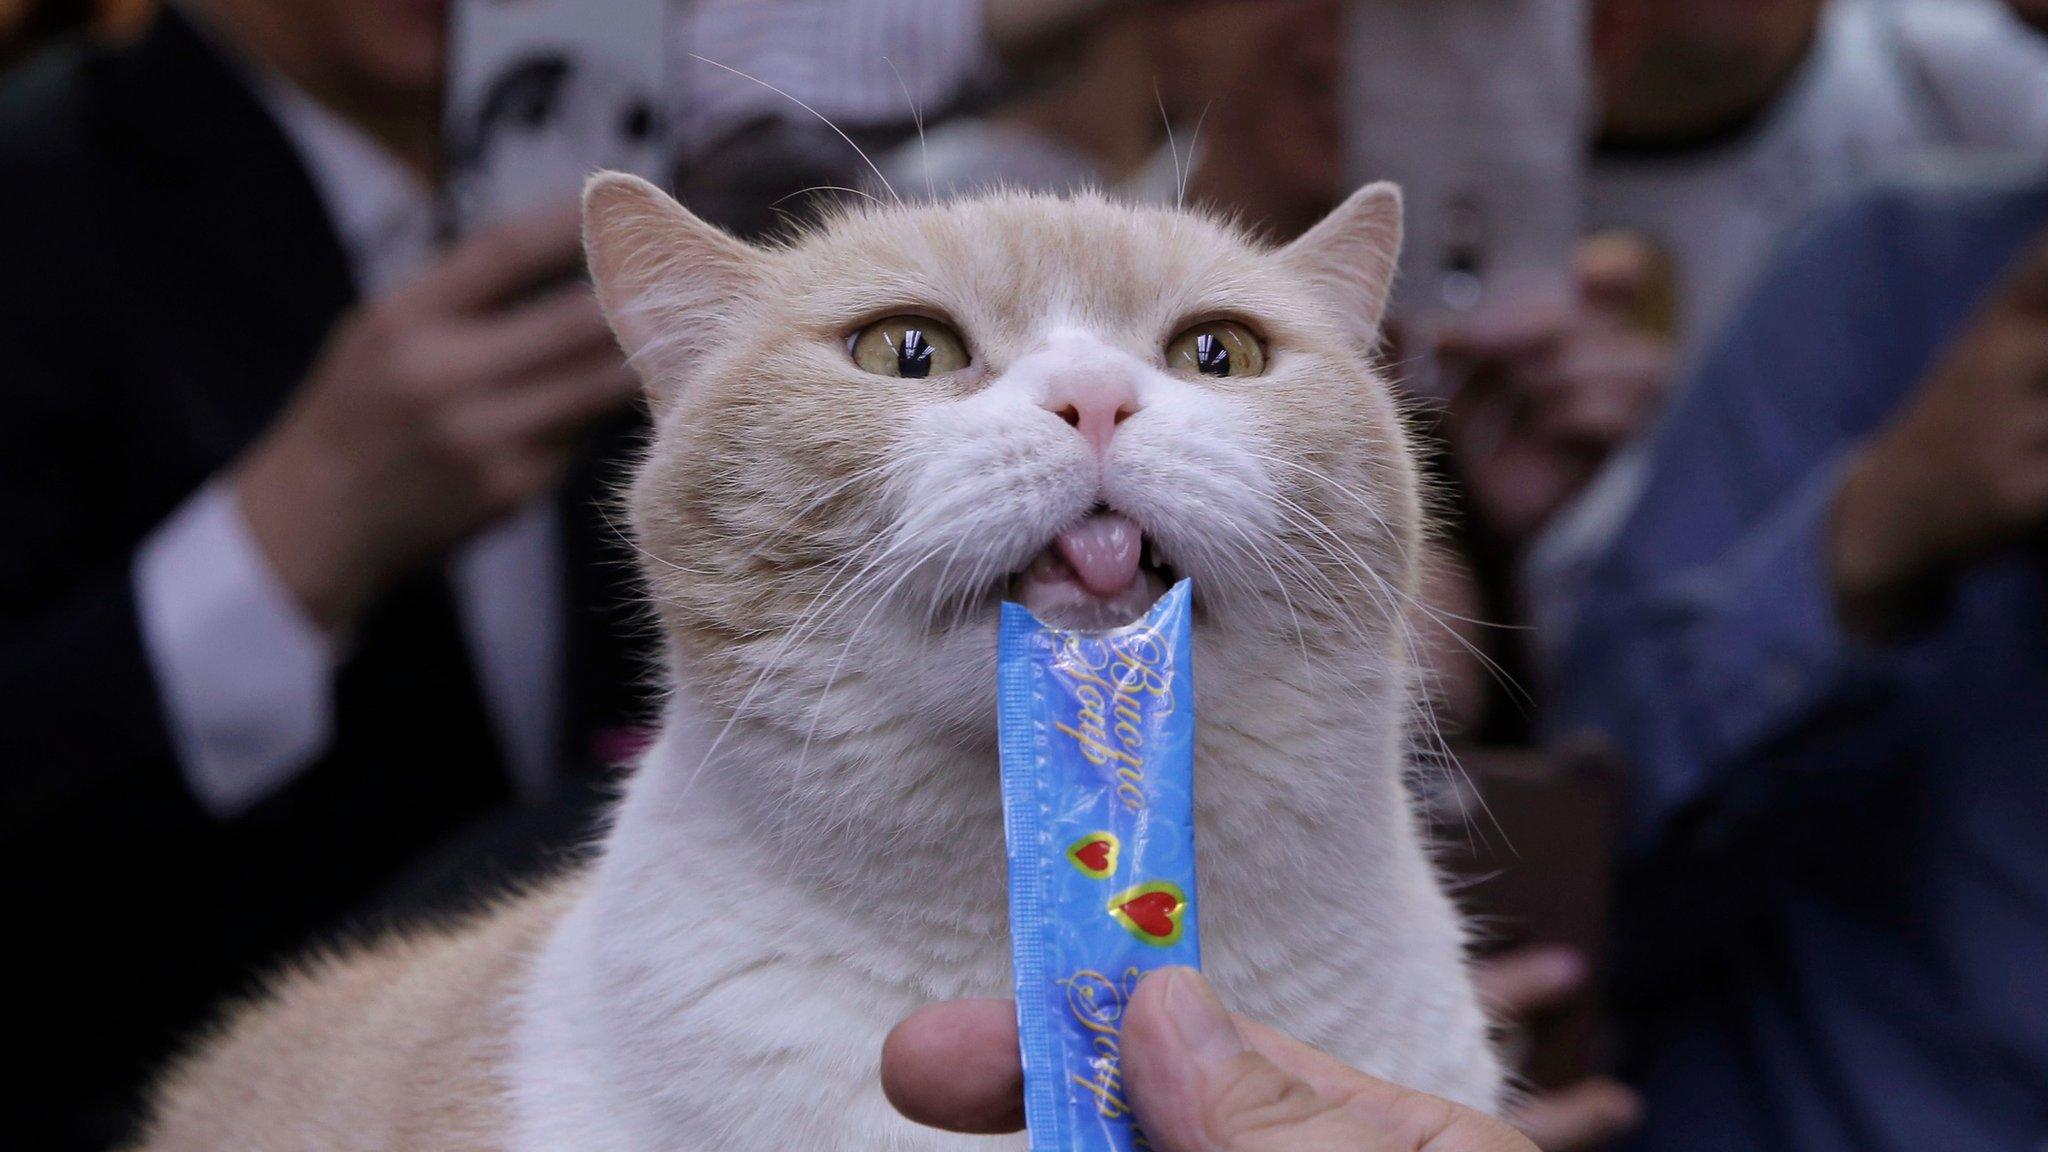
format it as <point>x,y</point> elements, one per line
<point>867,438</point>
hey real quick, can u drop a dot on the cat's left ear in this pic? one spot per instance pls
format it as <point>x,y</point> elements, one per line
<point>668,281</point>
<point>1350,256</point>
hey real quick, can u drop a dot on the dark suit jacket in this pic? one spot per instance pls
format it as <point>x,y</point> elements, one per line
<point>167,275</point>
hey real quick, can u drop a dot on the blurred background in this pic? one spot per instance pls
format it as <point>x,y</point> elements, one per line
<point>1724,324</point>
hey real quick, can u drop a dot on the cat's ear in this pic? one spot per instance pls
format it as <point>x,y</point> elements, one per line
<point>1350,256</point>
<point>667,281</point>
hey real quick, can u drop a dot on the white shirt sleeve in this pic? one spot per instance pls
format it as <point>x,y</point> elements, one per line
<point>244,675</point>
<point>1979,74</point>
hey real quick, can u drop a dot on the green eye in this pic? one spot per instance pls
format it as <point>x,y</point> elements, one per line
<point>912,347</point>
<point>1217,348</point>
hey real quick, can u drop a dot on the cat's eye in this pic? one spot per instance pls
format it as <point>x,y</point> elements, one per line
<point>912,347</point>
<point>1216,348</point>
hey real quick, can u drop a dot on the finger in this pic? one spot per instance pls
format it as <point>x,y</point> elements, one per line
<point>1602,384</point>
<point>505,260</point>
<point>1597,408</point>
<point>1616,271</point>
<point>1528,980</point>
<point>563,404</point>
<point>1511,330</point>
<point>1197,1085</point>
<point>1579,1118</point>
<point>560,325</point>
<point>955,1066</point>
<point>1644,361</point>
<point>1198,1082</point>
<point>1414,1118</point>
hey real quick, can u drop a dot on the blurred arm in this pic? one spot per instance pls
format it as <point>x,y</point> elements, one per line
<point>1710,647</point>
<point>243,673</point>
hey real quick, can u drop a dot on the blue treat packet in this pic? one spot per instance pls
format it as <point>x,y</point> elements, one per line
<point>1098,735</point>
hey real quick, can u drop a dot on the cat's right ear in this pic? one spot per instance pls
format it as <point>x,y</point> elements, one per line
<point>1350,256</point>
<point>667,281</point>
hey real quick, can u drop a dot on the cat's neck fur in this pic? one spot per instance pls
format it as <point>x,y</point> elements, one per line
<point>730,909</point>
<point>1290,785</point>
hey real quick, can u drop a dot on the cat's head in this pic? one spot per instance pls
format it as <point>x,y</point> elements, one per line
<point>869,436</point>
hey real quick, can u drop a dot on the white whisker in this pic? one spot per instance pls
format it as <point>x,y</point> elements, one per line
<point>924,150</point>
<point>824,119</point>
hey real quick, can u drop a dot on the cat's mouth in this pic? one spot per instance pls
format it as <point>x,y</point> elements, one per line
<point>1099,572</point>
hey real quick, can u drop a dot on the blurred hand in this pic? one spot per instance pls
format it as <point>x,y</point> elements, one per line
<point>1961,472</point>
<point>1451,640</point>
<point>1550,389</point>
<point>432,412</point>
<point>1525,983</point>
<point>1200,1080</point>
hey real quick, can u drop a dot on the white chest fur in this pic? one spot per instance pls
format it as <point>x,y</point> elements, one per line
<point>728,977</point>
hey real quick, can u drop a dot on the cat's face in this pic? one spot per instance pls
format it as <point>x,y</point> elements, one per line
<point>866,440</point>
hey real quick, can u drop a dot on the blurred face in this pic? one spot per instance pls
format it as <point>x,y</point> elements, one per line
<point>372,51</point>
<point>1267,74</point>
<point>1708,55</point>
<point>1741,34</point>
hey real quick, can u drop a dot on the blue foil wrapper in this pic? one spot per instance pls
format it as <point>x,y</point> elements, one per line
<point>1098,733</point>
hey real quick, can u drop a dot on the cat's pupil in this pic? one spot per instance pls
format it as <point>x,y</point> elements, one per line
<point>1211,357</point>
<point>914,355</point>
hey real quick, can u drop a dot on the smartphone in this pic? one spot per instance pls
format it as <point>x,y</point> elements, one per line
<point>542,93</point>
<point>1480,110</point>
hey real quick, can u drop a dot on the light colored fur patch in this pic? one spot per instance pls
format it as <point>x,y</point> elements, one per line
<point>400,1046</point>
<point>814,846</point>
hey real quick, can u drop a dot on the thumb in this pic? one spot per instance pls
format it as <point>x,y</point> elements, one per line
<point>1198,1085</point>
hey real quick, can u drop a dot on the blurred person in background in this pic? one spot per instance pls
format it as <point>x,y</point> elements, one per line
<point>26,25</point>
<point>1819,641</point>
<point>1722,124</point>
<point>779,98</point>
<point>1227,103</point>
<point>305,608</point>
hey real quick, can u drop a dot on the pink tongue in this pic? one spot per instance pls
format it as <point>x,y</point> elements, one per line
<point>1103,551</point>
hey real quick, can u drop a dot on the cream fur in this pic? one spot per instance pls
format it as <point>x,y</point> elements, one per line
<point>814,846</point>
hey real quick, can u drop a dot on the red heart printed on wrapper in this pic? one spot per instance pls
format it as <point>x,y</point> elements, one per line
<point>1155,913</point>
<point>1095,854</point>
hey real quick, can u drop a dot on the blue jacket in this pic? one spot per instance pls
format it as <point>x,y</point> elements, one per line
<point>1833,927</point>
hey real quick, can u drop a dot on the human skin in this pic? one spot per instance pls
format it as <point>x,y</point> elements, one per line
<point>1200,1080</point>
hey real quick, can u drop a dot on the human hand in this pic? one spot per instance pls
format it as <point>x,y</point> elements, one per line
<point>432,412</point>
<point>1525,983</point>
<point>1200,1080</point>
<point>1549,388</point>
<point>1961,472</point>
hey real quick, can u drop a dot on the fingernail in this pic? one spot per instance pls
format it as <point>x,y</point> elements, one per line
<point>1563,966</point>
<point>1198,1018</point>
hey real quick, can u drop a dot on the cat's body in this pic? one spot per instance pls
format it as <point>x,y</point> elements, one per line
<point>814,846</point>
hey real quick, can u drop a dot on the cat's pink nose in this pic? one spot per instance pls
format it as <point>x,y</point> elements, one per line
<point>1093,403</point>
